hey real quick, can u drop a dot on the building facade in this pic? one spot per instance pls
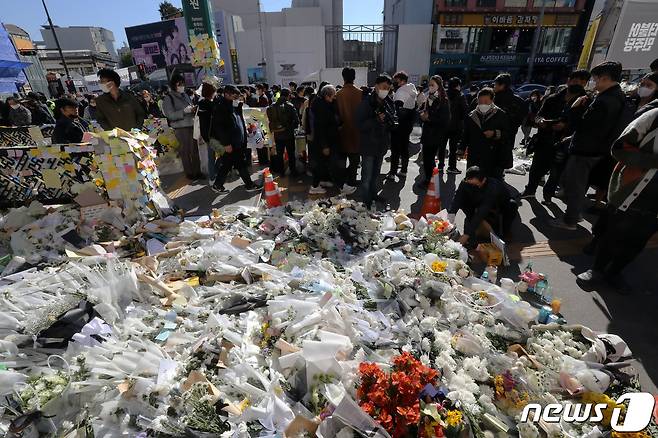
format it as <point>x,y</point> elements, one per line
<point>94,39</point>
<point>477,39</point>
<point>12,77</point>
<point>27,53</point>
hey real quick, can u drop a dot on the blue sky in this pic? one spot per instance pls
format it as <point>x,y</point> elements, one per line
<point>118,14</point>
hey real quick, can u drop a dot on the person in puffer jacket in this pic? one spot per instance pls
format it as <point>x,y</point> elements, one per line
<point>179,111</point>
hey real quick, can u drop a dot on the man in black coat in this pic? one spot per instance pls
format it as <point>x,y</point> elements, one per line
<point>516,110</point>
<point>229,130</point>
<point>485,136</point>
<point>376,117</point>
<point>487,203</point>
<point>69,128</point>
<point>594,134</point>
<point>283,120</point>
<point>458,112</point>
<point>551,127</point>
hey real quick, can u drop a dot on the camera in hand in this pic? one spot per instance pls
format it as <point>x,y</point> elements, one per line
<point>390,117</point>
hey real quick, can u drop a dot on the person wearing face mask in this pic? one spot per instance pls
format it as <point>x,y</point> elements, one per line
<point>405,101</point>
<point>436,117</point>
<point>116,108</point>
<point>150,105</point>
<point>69,128</point>
<point>593,136</point>
<point>375,117</point>
<point>18,115</point>
<point>283,120</point>
<point>90,111</point>
<point>647,92</point>
<point>552,125</point>
<point>179,110</point>
<point>206,104</point>
<point>485,134</point>
<point>228,131</point>
<point>534,103</point>
<point>488,204</point>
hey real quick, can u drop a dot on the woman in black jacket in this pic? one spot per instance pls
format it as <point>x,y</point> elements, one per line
<point>435,114</point>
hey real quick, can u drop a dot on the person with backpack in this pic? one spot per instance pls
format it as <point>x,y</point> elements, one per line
<point>179,111</point>
<point>283,121</point>
<point>632,206</point>
<point>593,136</point>
<point>516,110</point>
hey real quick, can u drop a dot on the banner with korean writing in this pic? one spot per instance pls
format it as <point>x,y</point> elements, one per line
<point>200,26</point>
<point>635,42</point>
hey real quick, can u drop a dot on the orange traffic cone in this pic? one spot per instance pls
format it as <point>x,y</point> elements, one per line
<point>432,202</point>
<point>272,194</point>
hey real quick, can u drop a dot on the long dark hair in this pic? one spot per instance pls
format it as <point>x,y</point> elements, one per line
<point>442,91</point>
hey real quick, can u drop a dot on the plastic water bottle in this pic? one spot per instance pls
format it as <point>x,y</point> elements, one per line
<point>492,272</point>
<point>485,276</point>
<point>542,288</point>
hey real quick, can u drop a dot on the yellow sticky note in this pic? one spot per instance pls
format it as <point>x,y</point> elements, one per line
<point>69,167</point>
<point>111,184</point>
<point>51,178</point>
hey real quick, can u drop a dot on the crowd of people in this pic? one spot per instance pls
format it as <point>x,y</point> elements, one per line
<point>585,133</point>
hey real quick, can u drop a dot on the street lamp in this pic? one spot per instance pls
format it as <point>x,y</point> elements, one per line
<point>59,48</point>
<point>535,41</point>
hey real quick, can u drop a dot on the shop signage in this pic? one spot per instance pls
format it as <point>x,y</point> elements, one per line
<point>449,59</point>
<point>235,66</point>
<point>510,20</point>
<point>463,60</point>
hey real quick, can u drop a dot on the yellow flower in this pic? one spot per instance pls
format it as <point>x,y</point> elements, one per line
<point>630,435</point>
<point>595,398</point>
<point>439,266</point>
<point>454,418</point>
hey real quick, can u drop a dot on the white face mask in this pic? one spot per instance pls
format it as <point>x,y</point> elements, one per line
<point>433,89</point>
<point>105,88</point>
<point>15,106</point>
<point>180,89</point>
<point>382,94</point>
<point>645,91</point>
<point>236,103</point>
<point>484,108</point>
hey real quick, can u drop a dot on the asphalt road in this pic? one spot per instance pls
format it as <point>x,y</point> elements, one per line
<point>554,252</point>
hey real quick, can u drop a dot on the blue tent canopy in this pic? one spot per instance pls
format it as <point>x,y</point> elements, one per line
<point>10,68</point>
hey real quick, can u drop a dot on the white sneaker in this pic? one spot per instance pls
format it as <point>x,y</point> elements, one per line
<point>347,190</point>
<point>326,184</point>
<point>317,191</point>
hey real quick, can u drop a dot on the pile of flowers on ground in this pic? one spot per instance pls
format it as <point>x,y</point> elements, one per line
<point>317,319</point>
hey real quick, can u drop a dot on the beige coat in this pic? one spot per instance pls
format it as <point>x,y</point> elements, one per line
<point>348,99</point>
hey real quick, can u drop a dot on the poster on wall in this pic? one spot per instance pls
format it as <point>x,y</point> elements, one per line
<point>635,42</point>
<point>157,45</point>
<point>297,54</point>
<point>256,75</point>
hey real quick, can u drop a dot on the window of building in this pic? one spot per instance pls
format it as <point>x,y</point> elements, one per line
<point>456,3</point>
<point>516,3</point>
<point>555,40</point>
<point>486,3</point>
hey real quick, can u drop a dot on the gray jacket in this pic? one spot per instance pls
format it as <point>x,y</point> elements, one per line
<point>173,105</point>
<point>20,116</point>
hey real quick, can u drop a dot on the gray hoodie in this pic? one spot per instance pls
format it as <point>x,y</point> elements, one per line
<point>173,105</point>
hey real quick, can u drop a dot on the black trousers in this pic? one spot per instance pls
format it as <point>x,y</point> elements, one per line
<point>287,145</point>
<point>234,160</point>
<point>560,156</point>
<point>430,148</point>
<point>353,167</point>
<point>263,156</point>
<point>400,146</point>
<point>542,161</point>
<point>454,140</point>
<point>621,236</point>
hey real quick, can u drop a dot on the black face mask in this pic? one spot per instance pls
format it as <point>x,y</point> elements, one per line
<point>575,89</point>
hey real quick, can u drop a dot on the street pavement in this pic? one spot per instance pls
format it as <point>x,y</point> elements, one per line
<point>557,253</point>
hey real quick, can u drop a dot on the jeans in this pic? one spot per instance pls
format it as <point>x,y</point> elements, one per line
<point>370,169</point>
<point>576,183</point>
<point>287,145</point>
<point>621,238</point>
<point>228,161</point>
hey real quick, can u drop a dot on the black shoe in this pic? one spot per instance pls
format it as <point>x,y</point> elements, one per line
<point>253,187</point>
<point>219,189</point>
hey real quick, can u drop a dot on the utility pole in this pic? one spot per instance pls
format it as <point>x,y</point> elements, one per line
<point>59,48</point>
<point>535,41</point>
<point>263,62</point>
